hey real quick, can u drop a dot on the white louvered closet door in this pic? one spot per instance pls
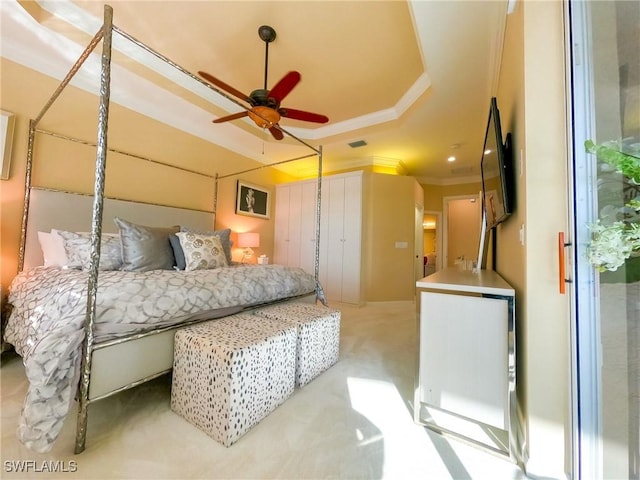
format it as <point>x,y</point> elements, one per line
<point>281,227</point>
<point>295,218</point>
<point>308,212</point>
<point>352,244</point>
<point>340,237</point>
<point>295,225</point>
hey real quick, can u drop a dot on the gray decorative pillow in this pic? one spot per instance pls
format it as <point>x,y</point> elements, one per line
<point>202,251</point>
<point>225,239</point>
<point>178,254</point>
<point>77,246</point>
<point>145,248</point>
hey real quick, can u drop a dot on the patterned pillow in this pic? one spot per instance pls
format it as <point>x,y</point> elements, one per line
<point>77,246</point>
<point>225,238</point>
<point>202,251</point>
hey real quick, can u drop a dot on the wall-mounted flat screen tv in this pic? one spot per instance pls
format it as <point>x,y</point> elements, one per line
<point>496,168</point>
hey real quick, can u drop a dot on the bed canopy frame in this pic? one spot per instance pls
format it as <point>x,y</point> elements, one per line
<point>105,34</point>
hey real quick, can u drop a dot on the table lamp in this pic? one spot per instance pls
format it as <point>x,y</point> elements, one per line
<point>247,240</point>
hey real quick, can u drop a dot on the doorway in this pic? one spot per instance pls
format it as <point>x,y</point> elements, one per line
<point>432,241</point>
<point>418,242</point>
<point>461,229</point>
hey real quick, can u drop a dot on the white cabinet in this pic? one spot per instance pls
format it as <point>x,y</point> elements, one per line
<point>340,232</point>
<point>308,215</point>
<point>466,375</point>
<point>295,225</point>
<point>341,237</point>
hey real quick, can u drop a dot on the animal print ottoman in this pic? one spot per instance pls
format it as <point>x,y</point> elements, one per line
<point>230,373</point>
<point>318,336</point>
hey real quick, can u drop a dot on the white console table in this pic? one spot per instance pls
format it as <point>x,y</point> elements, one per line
<point>466,380</point>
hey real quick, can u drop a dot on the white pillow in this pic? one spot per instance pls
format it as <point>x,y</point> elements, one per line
<point>52,247</point>
<point>202,251</point>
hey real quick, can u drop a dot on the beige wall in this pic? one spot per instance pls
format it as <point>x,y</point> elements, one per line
<point>531,98</point>
<point>69,166</point>
<point>433,194</point>
<point>463,230</point>
<point>390,202</point>
<point>433,198</point>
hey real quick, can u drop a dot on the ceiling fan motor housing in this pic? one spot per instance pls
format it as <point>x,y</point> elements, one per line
<point>261,97</point>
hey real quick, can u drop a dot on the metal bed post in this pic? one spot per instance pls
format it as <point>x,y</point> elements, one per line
<point>32,131</point>
<point>215,201</point>
<point>318,210</point>
<point>96,229</point>
<point>27,194</point>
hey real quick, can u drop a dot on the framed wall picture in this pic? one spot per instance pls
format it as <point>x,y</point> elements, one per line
<point>7,121</point>
<point>252,200</point>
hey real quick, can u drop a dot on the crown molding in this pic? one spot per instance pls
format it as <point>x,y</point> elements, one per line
<point>391,163</point>
<point>381,116</point>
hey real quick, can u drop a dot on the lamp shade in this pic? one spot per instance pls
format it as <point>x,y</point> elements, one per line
<point>248,240</point>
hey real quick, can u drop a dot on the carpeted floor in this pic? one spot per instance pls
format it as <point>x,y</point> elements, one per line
<point>354,421</point>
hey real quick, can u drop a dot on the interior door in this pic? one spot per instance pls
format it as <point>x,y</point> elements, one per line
<point>418,242</point>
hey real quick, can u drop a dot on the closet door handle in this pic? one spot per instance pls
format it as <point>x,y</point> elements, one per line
<point>562,277</point>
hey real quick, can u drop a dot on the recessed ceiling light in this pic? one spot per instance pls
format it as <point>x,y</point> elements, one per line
<point>451,159</point>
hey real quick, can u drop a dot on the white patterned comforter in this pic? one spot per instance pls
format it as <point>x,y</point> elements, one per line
<point>49,307</point>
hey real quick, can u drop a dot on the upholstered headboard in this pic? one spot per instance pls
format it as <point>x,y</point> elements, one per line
<point>73,212</point>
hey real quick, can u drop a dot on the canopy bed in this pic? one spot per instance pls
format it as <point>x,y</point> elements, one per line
<point>72,325</point>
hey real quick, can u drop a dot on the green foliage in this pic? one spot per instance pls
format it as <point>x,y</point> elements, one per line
<point>610,153</point>
<point>615,238</point>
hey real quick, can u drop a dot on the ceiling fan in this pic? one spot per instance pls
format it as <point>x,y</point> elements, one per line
<point>265,108</point>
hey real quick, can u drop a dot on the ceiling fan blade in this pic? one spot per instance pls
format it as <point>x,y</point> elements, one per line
<point>302,115</point>
<point>277,134</point>
<point>284,86</point>
<point>228,88</point>
<point>233,116</point>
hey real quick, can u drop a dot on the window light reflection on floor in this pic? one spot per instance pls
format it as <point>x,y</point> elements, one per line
<point>381,403</point>
<point>397,436</point>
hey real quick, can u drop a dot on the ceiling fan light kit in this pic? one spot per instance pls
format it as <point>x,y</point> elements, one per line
<point>264,104</point>
<point>264,117</point>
